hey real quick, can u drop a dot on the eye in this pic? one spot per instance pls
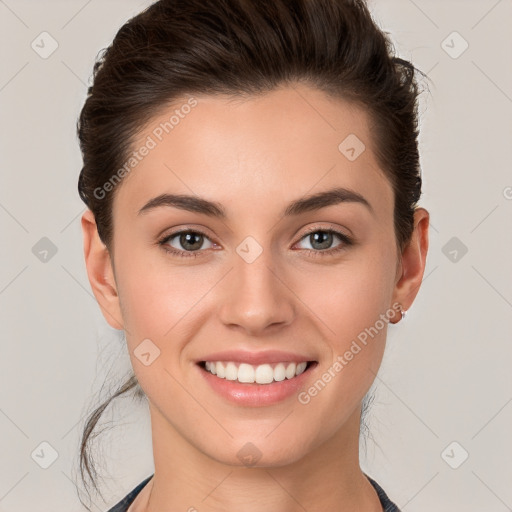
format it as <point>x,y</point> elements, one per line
<point>320,241</point>
<point>191,242</point>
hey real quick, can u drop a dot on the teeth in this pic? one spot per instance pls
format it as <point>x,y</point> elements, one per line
<point>261,374</point>
<point>246,373</point>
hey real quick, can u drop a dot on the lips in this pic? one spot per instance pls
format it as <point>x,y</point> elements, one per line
<point>267,386</point>
<point>267,392</point>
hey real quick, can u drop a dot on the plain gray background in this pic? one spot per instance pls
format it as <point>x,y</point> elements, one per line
<point>446,374</point>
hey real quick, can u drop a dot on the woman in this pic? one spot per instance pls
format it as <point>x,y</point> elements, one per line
<point>251,173</point>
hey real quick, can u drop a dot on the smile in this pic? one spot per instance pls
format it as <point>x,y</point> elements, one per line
<point>257,379</point>
<point>259,374</point>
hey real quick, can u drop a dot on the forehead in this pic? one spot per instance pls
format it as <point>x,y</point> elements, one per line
<point>265,149</point>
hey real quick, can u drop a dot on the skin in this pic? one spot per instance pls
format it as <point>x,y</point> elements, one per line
<point>254,156</point>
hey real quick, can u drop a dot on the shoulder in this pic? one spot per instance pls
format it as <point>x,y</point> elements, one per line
<point>387,504</point>
<point>123,505</point>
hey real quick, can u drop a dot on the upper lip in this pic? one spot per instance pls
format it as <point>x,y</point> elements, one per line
<point>255,358</point>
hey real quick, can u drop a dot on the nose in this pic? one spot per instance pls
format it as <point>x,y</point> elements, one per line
<point>256,297</point>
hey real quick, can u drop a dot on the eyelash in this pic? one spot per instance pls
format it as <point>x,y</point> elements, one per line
<point>346,242</point>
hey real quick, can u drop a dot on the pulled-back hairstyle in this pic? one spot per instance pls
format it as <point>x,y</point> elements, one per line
<point>176,48</point>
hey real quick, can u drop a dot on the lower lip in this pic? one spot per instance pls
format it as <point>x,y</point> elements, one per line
<point>257,395</point>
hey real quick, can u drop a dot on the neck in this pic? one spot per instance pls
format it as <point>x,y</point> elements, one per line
<point>328,477</point>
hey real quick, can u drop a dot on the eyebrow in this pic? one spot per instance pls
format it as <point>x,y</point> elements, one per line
<point>214,209</point>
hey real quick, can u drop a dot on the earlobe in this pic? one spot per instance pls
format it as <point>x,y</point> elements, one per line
<point>413,263</point>
<point>100,272</point>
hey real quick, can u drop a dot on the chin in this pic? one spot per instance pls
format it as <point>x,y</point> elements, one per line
<point>252,452</point>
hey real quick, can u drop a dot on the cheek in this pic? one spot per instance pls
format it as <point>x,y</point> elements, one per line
<point>154,300</point>
<point>164,301</point>
<point>349,297</point>
<point>352,309</point>
<point>351,305</point>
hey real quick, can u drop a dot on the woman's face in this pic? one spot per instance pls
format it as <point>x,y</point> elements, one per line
<point>262,278</point>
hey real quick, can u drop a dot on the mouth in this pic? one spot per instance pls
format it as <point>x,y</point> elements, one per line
<point>256,375</point>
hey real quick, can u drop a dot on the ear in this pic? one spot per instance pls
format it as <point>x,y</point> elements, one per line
<point>412,266</point>
<point>100,272</point>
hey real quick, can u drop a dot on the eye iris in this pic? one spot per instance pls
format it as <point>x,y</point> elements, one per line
<point>187,239</point>
<point>321,237</point>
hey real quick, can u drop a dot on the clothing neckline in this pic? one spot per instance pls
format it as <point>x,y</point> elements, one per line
<point>124,504</point>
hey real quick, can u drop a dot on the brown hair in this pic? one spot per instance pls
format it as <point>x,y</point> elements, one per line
<point>244,47</point>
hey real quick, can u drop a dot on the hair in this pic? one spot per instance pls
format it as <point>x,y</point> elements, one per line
<point>176,48</point>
